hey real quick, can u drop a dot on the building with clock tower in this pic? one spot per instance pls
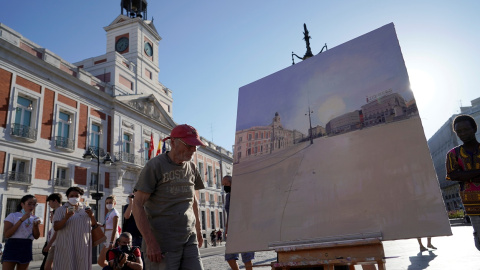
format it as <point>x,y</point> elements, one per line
<point>55,112</point>
<point>130,64</point>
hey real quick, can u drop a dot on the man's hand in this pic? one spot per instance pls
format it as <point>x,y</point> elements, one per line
<point>154,253</point>
<point>200,240</point>
<point>46,249</point>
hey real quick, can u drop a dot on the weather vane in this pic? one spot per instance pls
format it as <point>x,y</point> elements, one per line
<point>309,53</point>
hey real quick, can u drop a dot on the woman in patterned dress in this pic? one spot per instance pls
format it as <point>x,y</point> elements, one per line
<point>73,224</point>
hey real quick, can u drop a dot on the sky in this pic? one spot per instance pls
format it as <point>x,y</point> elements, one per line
<point>331,84</point>
<point>209,49</point>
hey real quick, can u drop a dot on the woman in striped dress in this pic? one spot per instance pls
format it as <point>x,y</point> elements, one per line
<point>73,224</point>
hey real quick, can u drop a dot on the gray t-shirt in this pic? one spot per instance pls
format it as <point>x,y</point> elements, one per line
<point>169,209</point>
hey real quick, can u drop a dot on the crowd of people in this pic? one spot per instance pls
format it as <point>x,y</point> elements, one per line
<point>161,228</point>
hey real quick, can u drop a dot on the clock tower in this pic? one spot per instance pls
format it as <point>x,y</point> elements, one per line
<point>131,61</point>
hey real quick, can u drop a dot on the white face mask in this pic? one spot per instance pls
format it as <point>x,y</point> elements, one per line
<point>73,200</point>
<point>109,206</point>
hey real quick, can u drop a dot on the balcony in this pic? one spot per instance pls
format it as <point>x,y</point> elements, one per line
<point>210,183</point>
<point>24,132</point>
<point>129,158</point>
<point>19,178</point>
<point>65,143</point>
<point>61,183</point>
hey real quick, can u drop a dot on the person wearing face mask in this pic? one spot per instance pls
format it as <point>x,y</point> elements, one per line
<point>20,228</point>
<point>125,256</point>
<point>232,258</point>
<point>73,224</point>
<point>111,221</point>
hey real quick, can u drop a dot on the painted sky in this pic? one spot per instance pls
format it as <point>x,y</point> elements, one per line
<point>209,49</point>
<point>330,84</point>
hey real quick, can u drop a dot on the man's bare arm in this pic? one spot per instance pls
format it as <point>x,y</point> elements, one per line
<point>154,253</point>
<point>465,176</point>
<point>197,222</point>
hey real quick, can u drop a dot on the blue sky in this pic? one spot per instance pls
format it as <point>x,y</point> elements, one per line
<point>212,48</point>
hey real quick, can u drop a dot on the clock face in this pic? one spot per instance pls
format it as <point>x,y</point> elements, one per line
<point>148,49</point>
<point>122,44</point>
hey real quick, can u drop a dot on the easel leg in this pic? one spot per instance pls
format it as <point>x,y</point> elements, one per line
<point>381,265</point>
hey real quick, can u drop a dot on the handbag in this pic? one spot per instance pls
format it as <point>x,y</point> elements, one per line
<point>97,235</point>
<point>43,252</point>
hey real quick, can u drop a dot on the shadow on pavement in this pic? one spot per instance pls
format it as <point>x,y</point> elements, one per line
<point>421,261</point>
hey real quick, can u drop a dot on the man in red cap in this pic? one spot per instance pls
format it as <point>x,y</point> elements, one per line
<point>166,210</point>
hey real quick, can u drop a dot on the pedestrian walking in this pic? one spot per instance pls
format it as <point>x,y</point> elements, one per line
<point>219,237</point>
<point>166,194</point>
<point>429,244</point>
<point>20,228</point>
<point>463,165</point>
<point>54,200</point>
<point>111,221</point>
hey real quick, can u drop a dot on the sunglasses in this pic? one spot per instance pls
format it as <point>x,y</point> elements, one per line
<point>188,145</point>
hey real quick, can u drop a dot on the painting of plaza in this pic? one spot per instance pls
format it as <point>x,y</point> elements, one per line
<point>324,149</point>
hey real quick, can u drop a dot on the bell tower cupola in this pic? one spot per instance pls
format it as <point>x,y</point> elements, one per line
<point>134,8</point>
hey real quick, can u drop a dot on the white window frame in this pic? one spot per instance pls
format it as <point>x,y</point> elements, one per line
<point>36,102</point>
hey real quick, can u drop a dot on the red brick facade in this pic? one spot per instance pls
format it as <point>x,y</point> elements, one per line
<point>29,84</point>
<point>3,155</point>
<point>82,127</point>
<point>107,180</point>
<point>97,113</point>
<point>5,85</point>
<point>80,177</point>
<point>67,101</point>
<point>47,117</point>
<point>43,169</point>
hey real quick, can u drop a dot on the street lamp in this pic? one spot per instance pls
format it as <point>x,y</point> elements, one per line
<point>107,160</point>
<point>310,121</point>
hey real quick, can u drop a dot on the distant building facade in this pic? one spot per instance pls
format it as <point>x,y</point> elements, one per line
<point>439,144</point>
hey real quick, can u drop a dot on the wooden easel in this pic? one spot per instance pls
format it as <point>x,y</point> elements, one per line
<point>366,252</point>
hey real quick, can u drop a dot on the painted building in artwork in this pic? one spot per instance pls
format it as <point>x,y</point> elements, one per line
<point>263,140</point>
<point>384,109</point>
<point>443,141</point>
<point>345,122</point>
<point>317,131</point>
<point>53,111</point>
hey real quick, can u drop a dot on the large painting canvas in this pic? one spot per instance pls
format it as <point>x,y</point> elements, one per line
<point>332,147</point>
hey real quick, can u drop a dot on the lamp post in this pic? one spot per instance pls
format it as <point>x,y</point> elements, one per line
<point>310,121</point>
<point>107,160</point>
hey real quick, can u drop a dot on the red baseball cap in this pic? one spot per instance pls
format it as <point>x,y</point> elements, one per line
<point>187,133</point>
